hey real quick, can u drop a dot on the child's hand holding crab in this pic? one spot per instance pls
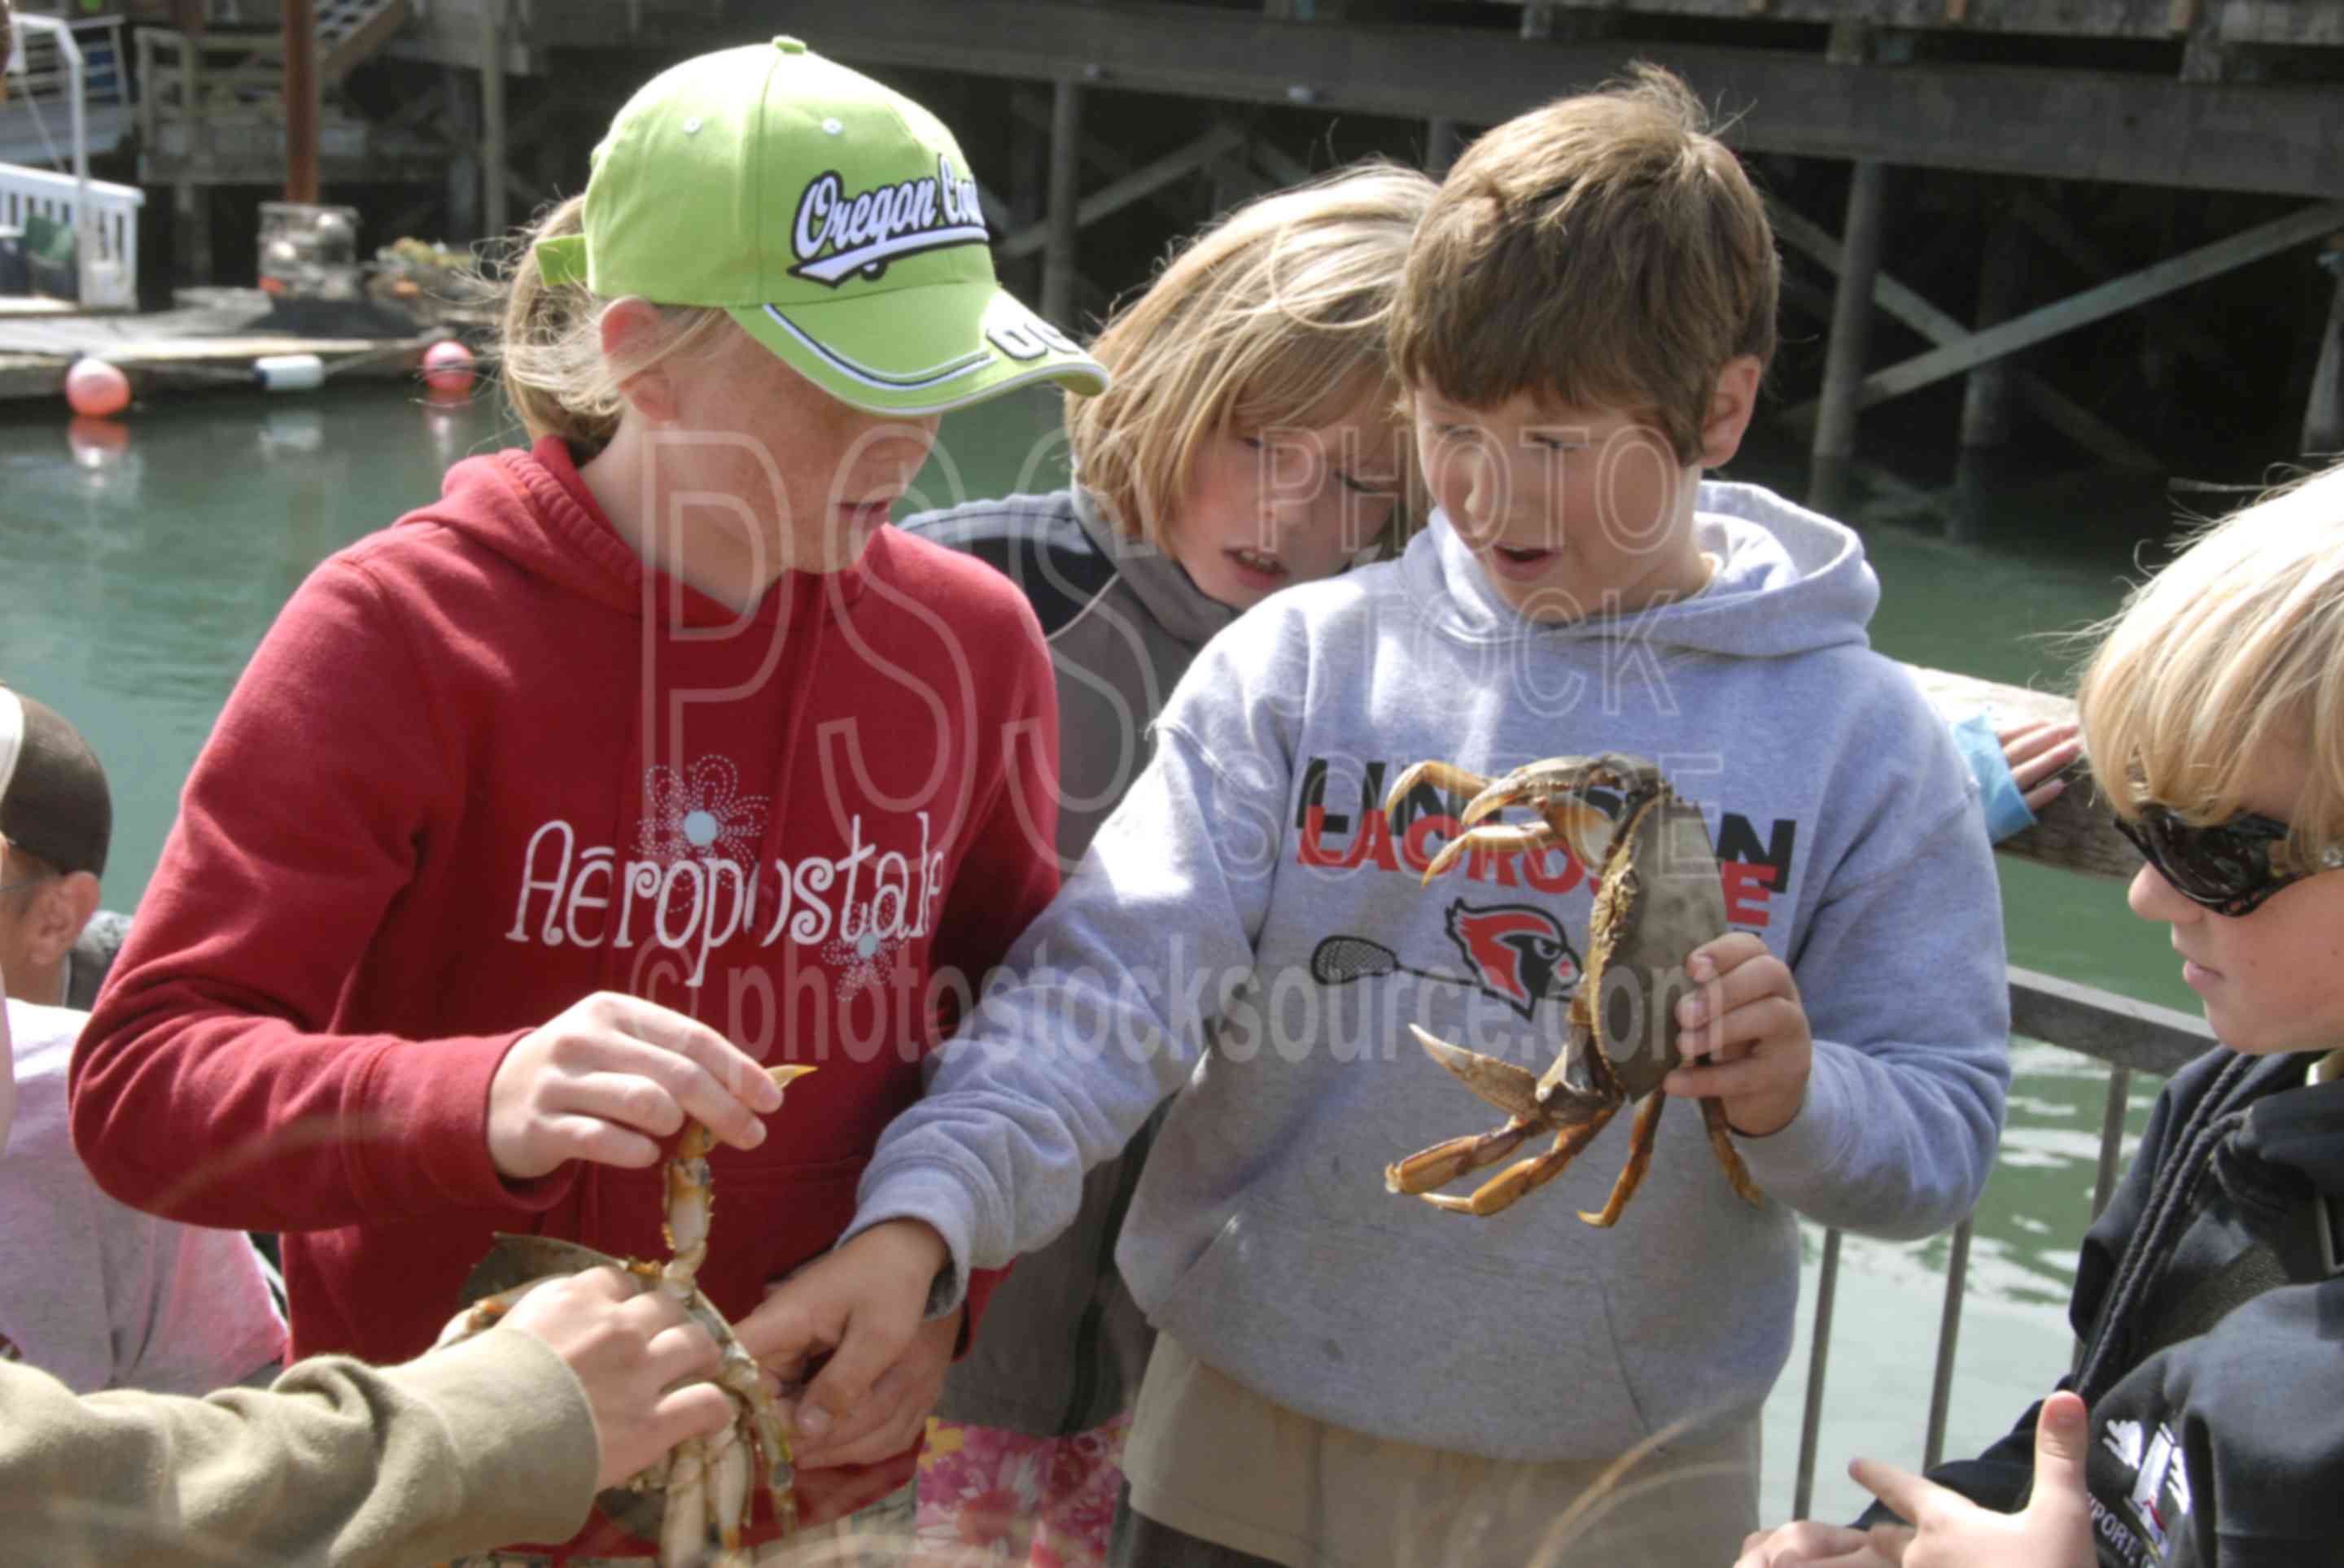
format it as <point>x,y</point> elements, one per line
<point>1745,1035</point>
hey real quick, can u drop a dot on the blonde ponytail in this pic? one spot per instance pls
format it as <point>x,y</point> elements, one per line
<point>555,375</point>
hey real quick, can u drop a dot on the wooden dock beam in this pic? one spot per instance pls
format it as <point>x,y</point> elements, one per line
<point>1066,203</point>
<point>2323,416</point>
<point>1851,327</point>
<point>1442,143</point>
<point>1986,397</point>
<point>301,101</point>
<point>496,201</point>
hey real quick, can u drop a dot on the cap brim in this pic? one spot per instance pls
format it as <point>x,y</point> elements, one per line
<point>923,350</point>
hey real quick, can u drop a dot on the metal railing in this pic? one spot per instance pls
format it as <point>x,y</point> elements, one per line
<point>2130,1036</point>
<point>103,216</point>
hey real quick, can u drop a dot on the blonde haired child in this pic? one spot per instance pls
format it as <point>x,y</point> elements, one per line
<point>640,757</point>
<point>2204,1423</point>
<point>1343,1374</point>
<point>1254,439</point>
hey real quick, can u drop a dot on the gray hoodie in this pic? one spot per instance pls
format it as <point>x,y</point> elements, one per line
<point>1246,925</point>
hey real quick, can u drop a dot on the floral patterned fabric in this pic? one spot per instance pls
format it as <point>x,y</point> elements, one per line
<point>992,1495</point>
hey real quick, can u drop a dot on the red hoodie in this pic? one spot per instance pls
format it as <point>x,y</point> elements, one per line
<point>486,764</point>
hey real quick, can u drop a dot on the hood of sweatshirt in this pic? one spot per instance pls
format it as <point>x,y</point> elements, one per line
<point>533,508</point>
<point>1789,581</point>
<point>1161,584</point>
<point>2300,1128</point>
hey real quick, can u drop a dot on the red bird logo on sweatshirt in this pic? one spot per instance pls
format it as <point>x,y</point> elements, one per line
<point>1518,953</point>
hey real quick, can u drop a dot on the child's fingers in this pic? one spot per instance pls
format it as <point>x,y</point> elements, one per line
<point>1711,1021</point>
<point>851,1426</point>
<point>789,1329</point>
<point>1722,955</point>
<point>1913,1498</point>
<point>2033,770</point>
<point>2030,736</point>
<point>696,1093</point>
<point>872,1343</point>
<point>1806,1544</point>
<point>2062,1443</point>
<point>2042,795</point>
<point>581,1135</point>
<point>733,1071</point>
<point>1890,1542</point>
<point>885,1426</point>
<point>695,1410</point>
<point>1735,1076</point>
<point>630,1098</point>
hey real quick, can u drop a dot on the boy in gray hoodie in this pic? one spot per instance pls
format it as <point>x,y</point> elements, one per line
<point>1344,1375</point>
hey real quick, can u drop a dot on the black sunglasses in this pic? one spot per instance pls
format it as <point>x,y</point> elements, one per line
<point>2230,866</point>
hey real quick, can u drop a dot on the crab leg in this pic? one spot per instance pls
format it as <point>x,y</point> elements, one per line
<point>1640,1160</point>
<point>1720,1139</point>
<point>1524,1176</point>
<point>683,1527</point>
<point>1437,1166</point>
<point>728,1486</point>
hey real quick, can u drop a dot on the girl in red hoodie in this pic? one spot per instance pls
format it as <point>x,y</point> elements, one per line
<point>639,757</point>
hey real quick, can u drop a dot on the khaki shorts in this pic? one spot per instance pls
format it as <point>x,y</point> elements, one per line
<point>1210,1458</point>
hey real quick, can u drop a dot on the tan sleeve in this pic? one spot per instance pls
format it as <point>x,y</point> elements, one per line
<point>337,1462</point>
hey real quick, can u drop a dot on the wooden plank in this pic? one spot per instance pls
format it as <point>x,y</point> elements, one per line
<point>1132,188</point>
<point>2052,228</point>
<point>2101,1024</point>
<point>2071,124</point>
<point>2075,832</point>
<point>2108,299</point>
<point>2239,21</point>
<point>192,363</point>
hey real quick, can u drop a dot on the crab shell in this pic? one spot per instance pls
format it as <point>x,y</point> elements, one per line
<point>1658,897</point>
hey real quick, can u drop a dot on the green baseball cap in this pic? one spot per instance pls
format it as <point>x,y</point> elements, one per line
<point>836,220</point>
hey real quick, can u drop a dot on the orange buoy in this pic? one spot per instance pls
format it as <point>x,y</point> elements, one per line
<point>97,388</point>
<point>447,366</point>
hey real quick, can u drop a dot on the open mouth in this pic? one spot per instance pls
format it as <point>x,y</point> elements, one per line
<point>1517,563</point>
<point>1255,563</point>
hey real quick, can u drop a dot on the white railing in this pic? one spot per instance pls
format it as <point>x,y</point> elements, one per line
<point>103,216</point>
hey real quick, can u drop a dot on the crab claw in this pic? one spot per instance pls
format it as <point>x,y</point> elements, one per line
<point>1512,1090</point>
<point>1439,775</point>
<point>1556,789</point>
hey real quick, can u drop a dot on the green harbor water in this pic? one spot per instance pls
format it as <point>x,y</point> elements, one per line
<point>137,574</point>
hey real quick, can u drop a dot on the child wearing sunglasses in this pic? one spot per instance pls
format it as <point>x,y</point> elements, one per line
<point>2204,1423</point>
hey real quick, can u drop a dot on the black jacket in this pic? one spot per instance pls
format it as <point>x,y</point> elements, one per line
<point>2211,1308</point>
<point>1064,1344</point>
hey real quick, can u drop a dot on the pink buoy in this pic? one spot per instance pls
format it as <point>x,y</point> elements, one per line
<point>96,442</point>
<point>447,366</point>
<point>97,388</point>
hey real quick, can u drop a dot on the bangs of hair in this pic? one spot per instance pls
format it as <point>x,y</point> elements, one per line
<point>1605,252</point>
<point>2229,658</point>
<point>1276,317</point>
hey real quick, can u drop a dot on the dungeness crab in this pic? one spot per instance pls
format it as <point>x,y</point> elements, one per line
<point>708,1482</point>
<point>1657,898</point>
